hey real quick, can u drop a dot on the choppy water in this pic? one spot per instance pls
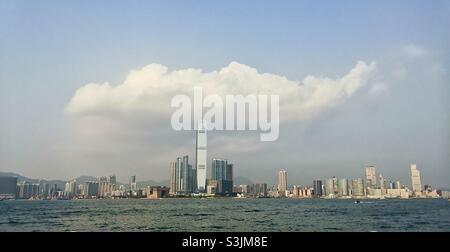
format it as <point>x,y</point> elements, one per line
<point>225,214</point>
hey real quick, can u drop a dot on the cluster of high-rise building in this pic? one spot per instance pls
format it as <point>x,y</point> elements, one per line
<point>251,191</point>
<point>183,177</point>
<point>103,187</point>
<point>187,180</point>
<point>10,188</point>
<point>371,187</point>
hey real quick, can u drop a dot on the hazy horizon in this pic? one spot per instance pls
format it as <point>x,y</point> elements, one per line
<point>85,88</point>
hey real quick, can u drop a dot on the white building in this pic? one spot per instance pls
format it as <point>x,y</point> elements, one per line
<point>415,179</point>
<point>371,176</point>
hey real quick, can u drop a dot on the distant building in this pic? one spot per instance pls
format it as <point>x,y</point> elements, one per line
<point>329,187</point>
<point>182,177</point>
<point>299,192</point>
<point>133,184</point>
<point>282,182</point>
<point>415,179</point>
<point>91,189</point>
<point>27,190</point>
<point>343,187</point>
<point>201,156</point>
<point>157,192</point>
<point>318,188</point>
<point>256,190</point>
<point>8,187</point>
<point>222,172</point>
<point>212,186</point>
<point>317,185</point>
<point>371,176</point>
<point>358,187</point>
<point>71,188</point>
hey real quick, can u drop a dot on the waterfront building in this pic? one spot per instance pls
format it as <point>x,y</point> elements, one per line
<point>371,176</point>
<point>182,177</point>
<point>222,171</point>
<point>317,186</point>
<point>282,182</point>
<point>133,184</point>
<point>299,192</point>
<point>71,188</point>
<point>8,187</point>
<point>397,193</point>
<point>201,156</point>
<point>415,179</point>
<point>343,187</point>
<point>157,192</point>
<point>91,189</point>
<point>329,187</point>
<point>358,188</point>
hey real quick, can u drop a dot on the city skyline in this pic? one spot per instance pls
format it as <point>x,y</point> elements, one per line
<point>90,93</point>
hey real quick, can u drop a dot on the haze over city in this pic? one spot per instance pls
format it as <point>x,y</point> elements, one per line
<point>86,90</point>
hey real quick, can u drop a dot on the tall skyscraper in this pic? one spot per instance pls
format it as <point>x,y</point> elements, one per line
<point>371,176</point>
<point>201,156</point>
<point>415,179</point>
<point>317,185</point>
<point>343,187</point>
<point>282,182</point>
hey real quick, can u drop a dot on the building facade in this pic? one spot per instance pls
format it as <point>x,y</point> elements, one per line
<point>282,182</point>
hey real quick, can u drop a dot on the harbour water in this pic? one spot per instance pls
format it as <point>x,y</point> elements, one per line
<point>225,214</point>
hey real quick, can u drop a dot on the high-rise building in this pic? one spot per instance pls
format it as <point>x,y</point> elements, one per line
<point>343,187</point>
<point>282,182</point>
<point>329,187</point>
<point>182,177</point>
<point>133,184</point>
<point>173,178</point>
<point>8,187</point>
<point>317,185</point>
<point>358,187</point>
<point>371,176</point>
<point>45,190</point>
<point>415,179</point>
<point>91,189</point>
<point>201,156</point>
<point>228,180</point>
<point>222,172</point>
<point>71,188</point>
<point>112,179</point>
<point>335,186</point>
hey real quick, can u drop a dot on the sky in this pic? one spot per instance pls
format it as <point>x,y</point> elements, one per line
<point>85,86</point>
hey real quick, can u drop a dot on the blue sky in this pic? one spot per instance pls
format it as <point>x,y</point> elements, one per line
<point>49,49</point>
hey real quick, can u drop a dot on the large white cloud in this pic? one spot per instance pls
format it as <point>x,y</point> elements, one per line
<point>148,91</point>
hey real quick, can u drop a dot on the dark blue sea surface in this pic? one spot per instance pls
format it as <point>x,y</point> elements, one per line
<point>225,214</point>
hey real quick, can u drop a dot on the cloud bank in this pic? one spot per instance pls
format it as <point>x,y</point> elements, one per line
<point>150,89</point>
